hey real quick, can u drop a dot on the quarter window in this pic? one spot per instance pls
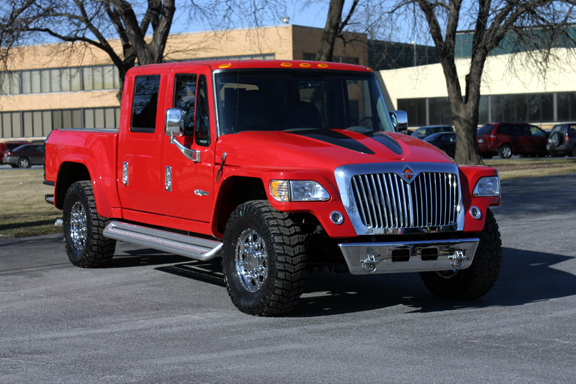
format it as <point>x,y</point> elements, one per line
<point>145,103</point>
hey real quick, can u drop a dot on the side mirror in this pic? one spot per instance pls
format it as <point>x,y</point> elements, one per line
<point>174,122</point>
<point>399,121</point>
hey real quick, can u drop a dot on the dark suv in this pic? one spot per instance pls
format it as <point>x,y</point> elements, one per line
<point>562,140</point>
<point>507,139</point>
<point>423,132</point>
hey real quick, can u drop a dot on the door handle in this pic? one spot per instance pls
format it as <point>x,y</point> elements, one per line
<point>192,154</point>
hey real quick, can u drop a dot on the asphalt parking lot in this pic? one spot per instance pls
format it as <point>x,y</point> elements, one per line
<point>157,318</point>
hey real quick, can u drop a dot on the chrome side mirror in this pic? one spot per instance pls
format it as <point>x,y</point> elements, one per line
<point>399,121</point>
<point>173,125</point>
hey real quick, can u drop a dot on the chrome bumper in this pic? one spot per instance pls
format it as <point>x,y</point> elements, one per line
<point>409,256</point>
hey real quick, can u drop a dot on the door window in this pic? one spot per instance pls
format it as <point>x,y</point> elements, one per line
<point>202,121</point>
<point>185,99</point>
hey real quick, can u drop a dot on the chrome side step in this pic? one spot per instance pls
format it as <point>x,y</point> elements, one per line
<point>194,247</point>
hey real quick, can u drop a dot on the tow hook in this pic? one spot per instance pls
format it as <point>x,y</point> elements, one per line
<point>457,259</point>
<point>369,263</point>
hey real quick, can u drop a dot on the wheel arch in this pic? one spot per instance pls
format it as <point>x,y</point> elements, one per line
<point>233,192</point>
<point>71,172</point>
<point>68,174</point>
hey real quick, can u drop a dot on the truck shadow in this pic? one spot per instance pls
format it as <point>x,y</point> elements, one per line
<point>525,277</point>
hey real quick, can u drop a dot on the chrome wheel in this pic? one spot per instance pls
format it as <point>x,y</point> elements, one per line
<point>78,225</point>
<point>23,163</point>
<point>505,151</point>
<point>251,260</point>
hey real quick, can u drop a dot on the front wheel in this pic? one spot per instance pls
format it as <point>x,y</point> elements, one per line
<point>479,278</point>
<point>263,259</point>
<point>83,227</point>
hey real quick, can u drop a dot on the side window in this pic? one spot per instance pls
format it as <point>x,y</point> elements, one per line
<point>535,131</point>
<point>145,103</point>
<point>202,121</point>
<point>185,99</point>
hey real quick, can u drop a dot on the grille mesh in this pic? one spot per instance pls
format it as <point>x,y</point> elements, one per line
<point>385,200</point>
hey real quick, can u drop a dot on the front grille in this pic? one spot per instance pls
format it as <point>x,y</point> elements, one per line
<point>385,200</point>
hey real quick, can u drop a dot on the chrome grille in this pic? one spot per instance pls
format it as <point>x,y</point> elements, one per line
<point>385,200</point>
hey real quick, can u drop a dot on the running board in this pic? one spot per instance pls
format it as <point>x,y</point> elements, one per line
<point>194,247</point>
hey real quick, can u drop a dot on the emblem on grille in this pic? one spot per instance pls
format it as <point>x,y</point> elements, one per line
<point>407,174</point>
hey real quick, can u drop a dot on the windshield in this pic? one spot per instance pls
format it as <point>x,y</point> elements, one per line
<point>291,100</point>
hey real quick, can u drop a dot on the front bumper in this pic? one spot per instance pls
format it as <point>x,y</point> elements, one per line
<point>409,256</point>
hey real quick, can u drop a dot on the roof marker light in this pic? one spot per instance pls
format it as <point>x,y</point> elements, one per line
<point>285,64</point>
<point>222,66</point>
<point>322,65</point>
<point>305,65</point>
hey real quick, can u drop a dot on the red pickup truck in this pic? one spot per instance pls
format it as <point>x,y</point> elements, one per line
<point>277,167</point>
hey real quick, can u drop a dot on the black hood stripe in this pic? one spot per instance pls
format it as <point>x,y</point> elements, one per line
<point>335,138</point>
<point>386,140</point>
<point>339,139</point>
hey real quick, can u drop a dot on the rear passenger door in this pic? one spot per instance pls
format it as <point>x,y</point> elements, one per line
<point>140,177</point>
<point>538,140</point>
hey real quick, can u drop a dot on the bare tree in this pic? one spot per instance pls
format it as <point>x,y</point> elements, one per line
<point>334,28</point>
<point>535,25</point>
<point>92,23</point>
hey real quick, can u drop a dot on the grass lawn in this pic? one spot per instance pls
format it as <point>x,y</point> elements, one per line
<point>24,212</point>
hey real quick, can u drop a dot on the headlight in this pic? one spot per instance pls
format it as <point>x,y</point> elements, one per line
<point>298,190</point>
<point>487,186</point>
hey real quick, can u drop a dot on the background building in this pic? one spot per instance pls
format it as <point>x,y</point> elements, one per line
<point>513,88</point>
<point>53,86</point>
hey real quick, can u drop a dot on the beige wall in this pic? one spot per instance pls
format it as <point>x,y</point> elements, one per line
<point>286,42</point>
<point>501,76</point>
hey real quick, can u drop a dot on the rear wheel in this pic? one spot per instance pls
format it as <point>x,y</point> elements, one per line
<point>83,227</point>
<point>23,162</point>
<point>505,151</point>
<point>479,278</point>
<point>263,259</point>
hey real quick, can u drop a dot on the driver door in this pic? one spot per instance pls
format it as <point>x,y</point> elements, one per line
<point>189,167</point>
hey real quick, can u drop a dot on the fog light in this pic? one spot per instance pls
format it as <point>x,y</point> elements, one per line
<point>476,213</point>
<point>337,218</point>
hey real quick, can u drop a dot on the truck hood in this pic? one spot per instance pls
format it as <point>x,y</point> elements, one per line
<point>315,149</point>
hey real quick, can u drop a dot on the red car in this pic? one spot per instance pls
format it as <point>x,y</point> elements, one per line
<point>507,139</point>
<point>8,146</point>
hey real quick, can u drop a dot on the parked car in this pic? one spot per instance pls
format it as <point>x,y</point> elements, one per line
<point>507,139</point>
<point>446,141</point>
<point>25,156</point>
<point>8,146</point>
<point>423,132</point>
<point>562,140</point>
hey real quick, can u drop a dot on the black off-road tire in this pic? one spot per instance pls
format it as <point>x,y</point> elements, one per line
<point>479,278</point>
<point>264,259</point>
<point>83,227</point>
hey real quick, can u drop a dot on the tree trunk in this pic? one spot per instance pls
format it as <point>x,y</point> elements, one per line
<point>326,48</point>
